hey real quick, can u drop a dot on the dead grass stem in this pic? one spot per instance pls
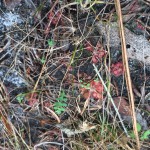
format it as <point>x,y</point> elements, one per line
<point>127,71</point>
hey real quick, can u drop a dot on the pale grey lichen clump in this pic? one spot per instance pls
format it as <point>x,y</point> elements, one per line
<point>139,46</point>
<point>10,19</point>
<point>12,77</point>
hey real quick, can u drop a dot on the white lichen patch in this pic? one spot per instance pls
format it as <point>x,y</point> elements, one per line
<point>12,77</point>
<point>139,46</point>
<point>10,19</point>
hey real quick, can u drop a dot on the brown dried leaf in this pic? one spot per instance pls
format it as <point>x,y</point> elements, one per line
<point>6,123</point>
<point>85,93</point>
<point>52,113</point>
<point>123,106</point>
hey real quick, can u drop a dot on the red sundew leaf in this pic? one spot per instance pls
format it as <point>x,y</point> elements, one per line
<point>97,85</point>
<point>47,104</point>
<point>98,55</point>
<point>32,101</point>
<point>54,18</point>
<point>32,98</point>
<point>99,45</point>
<point>96,95</point>
<point>89,47</point>
<point>140,26</point>
<point>94,59</point>
<point>47,29</point>
<point>99,88</point>
<point>95,91</point>
<point>101,53</point>
<point>117,69</point>
<point>51,16</point>
<point>33,95</point>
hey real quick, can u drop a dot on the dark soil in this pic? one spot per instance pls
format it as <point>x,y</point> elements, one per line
<point>23,48</point>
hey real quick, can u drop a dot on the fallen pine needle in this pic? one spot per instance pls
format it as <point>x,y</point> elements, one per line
<point>127,71</point>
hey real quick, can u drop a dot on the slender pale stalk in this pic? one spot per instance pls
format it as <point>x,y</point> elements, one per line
<point>127,71</point>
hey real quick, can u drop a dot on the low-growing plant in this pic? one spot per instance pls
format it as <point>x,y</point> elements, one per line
<point>60,105</point>
<point>30,96</point>
<point>84,85</point>
<point>143,135</point>
<point>50,43</point>
<point>117,69</point>
<point>94,89</point>
<point>43,60</point>
<point>97,53</point>
<point>20,97</point>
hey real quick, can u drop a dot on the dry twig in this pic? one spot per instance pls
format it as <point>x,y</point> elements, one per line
<point>127,71</point>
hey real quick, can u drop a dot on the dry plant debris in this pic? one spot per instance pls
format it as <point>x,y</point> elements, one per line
<point>62,83</point>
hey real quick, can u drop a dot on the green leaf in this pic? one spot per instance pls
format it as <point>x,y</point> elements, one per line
<point>81,47</point>
<point>20,97</point>
<point>132,135</point>
<point>50,43</point>
<point>62,109</point>
<point>139,127</point>
<point>80,81</point>
<point>43,60</point>
<point>145,135</point>
<point>86,86</point>
<point>59,104</point>
<point>97,79</point>
<point>78,0</point>
<point>60,98</point>
<point>59,110</point>
<point>64,99</point>
<point>62,94</point>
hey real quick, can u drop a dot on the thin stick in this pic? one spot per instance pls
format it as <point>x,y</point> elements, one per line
<point>127,71</point>
<point>53,114</point>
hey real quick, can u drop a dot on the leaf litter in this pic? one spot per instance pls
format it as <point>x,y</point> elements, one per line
<point>70,103</point>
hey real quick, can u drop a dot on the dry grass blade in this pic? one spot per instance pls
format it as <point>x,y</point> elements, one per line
<point>112,101</point>
<point>126,68</point>
<point>6,123</point>
<point>53,114</point>
<point>36,84</point>
<point>45,143</point>
<point>85,105</point>
<point>3,115</point>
